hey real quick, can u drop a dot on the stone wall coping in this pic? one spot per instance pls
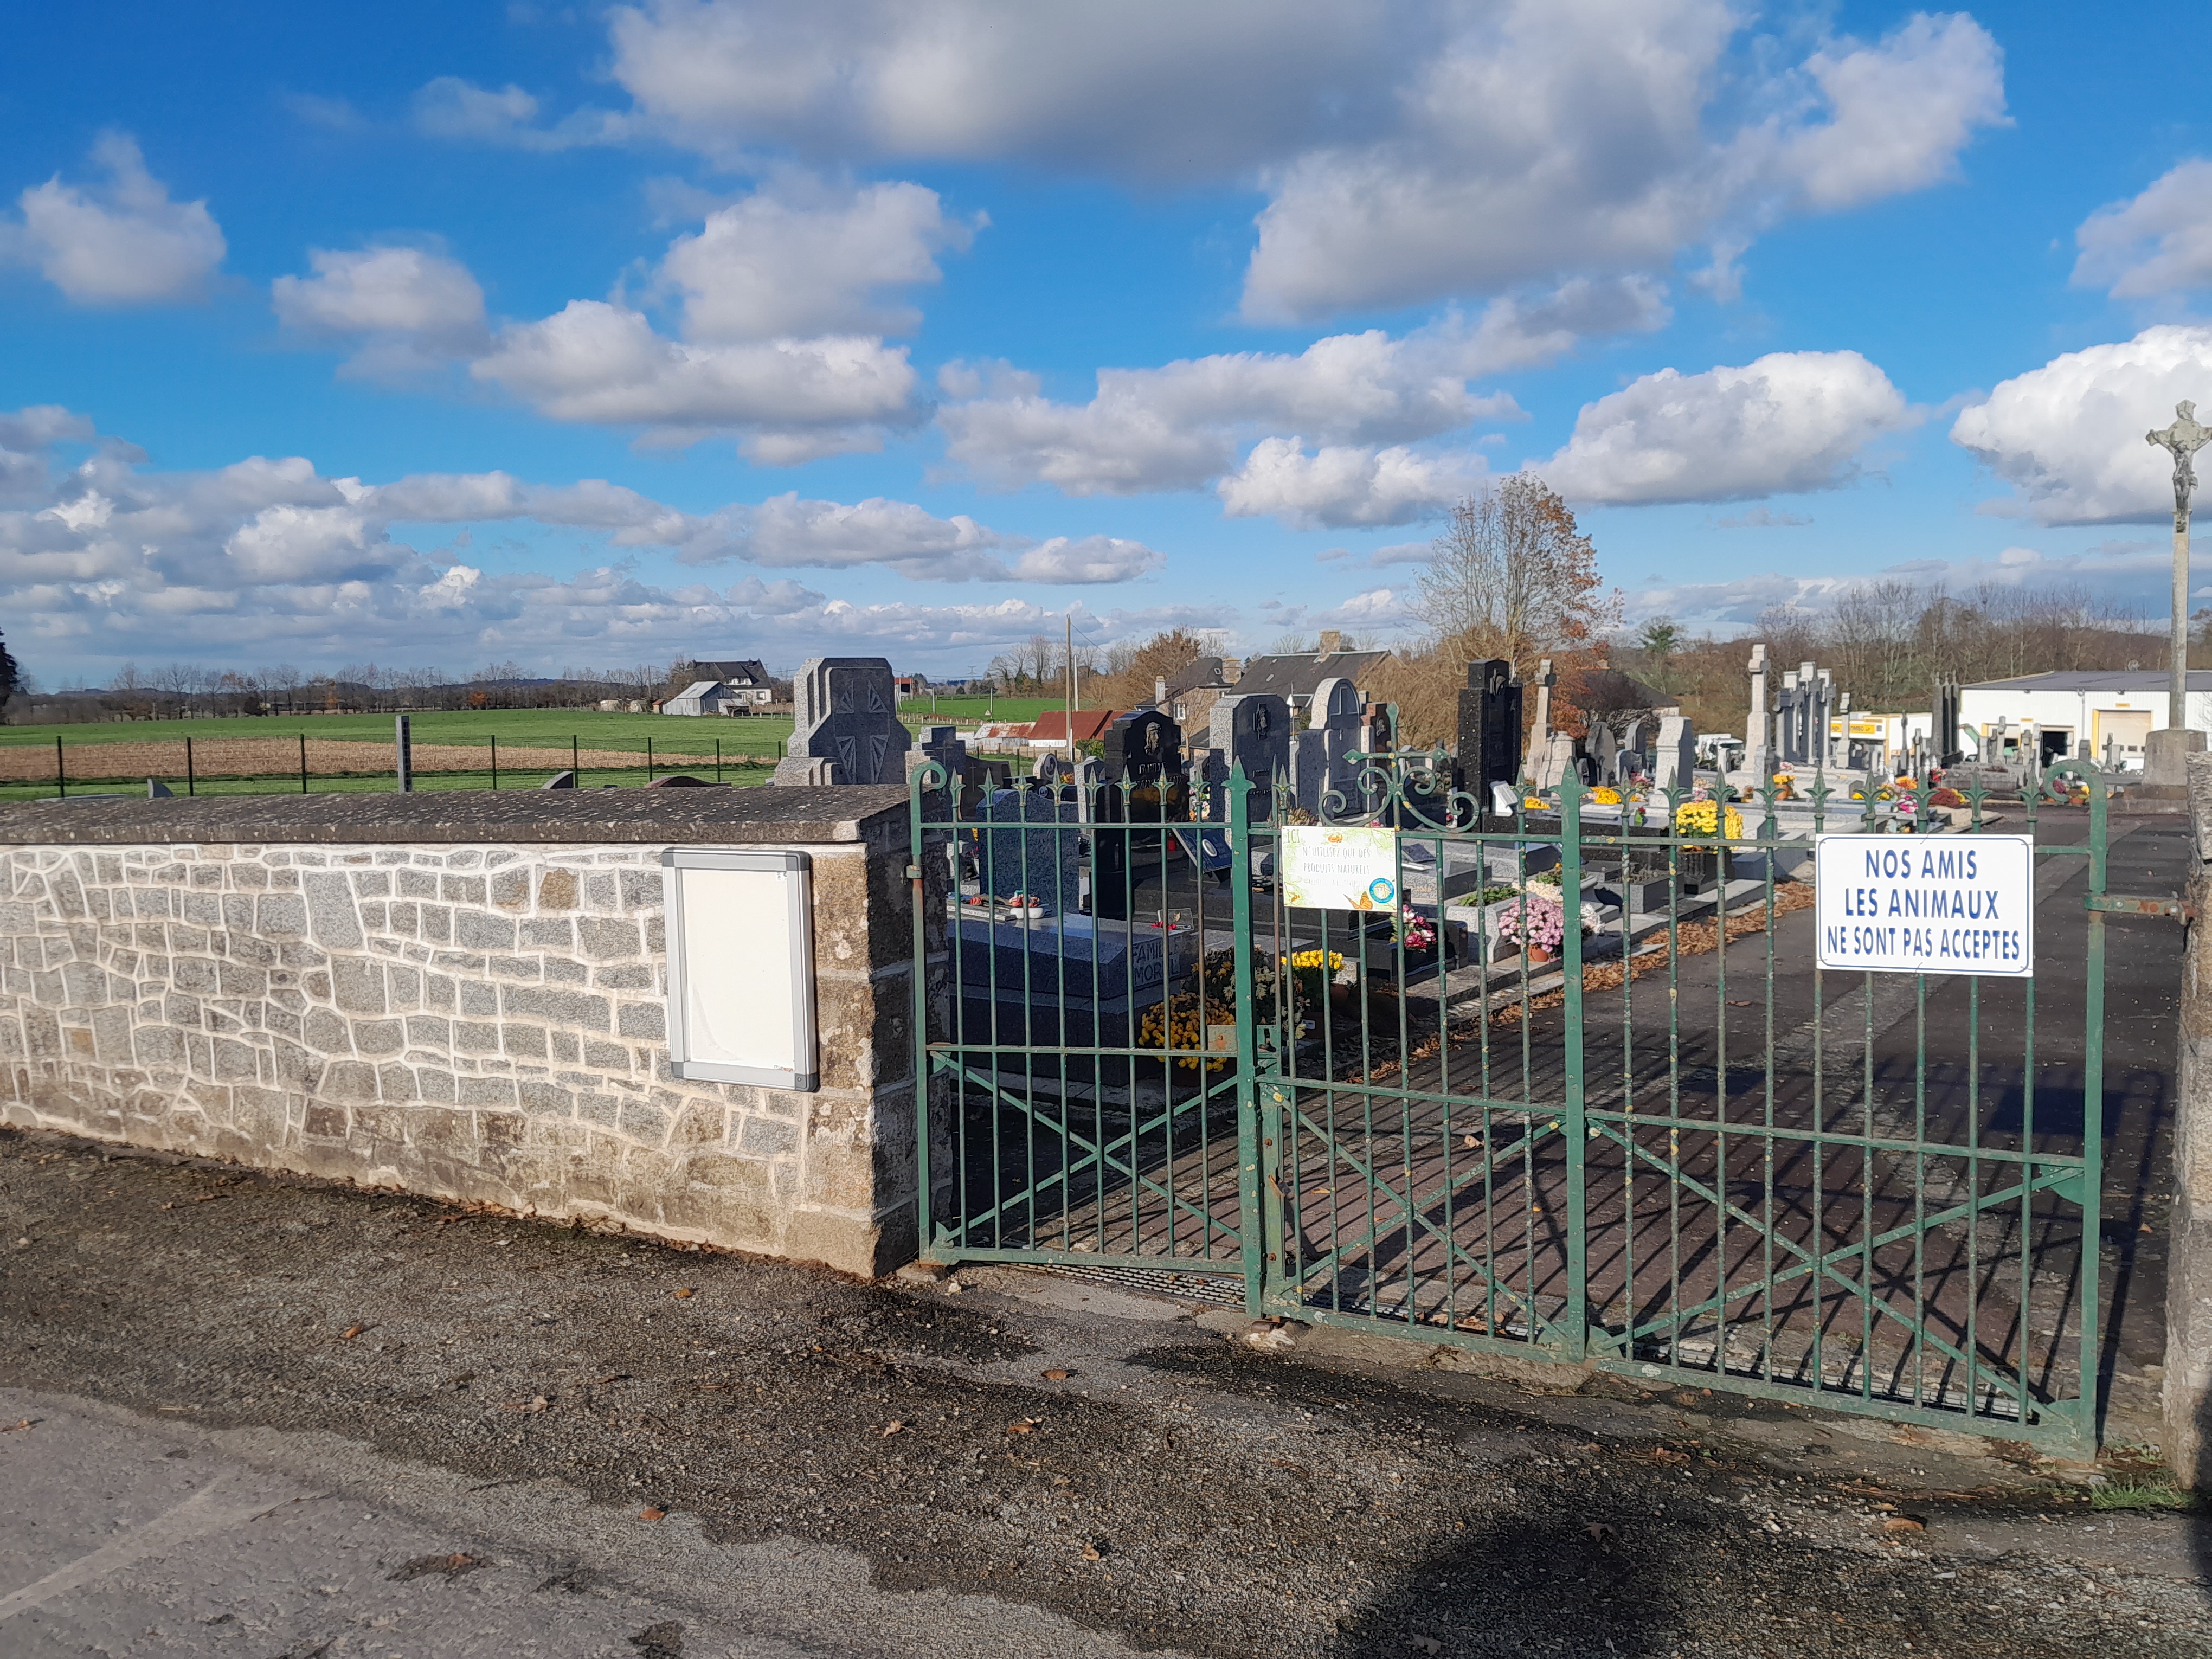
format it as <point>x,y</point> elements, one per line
<point>847,812</point>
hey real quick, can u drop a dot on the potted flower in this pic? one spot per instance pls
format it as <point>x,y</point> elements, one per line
<point>1538,923</point>
<point>1706,829</point>
<point>1312,973</point>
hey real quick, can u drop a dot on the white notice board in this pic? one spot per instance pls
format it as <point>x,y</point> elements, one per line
<point>1927,904</point>
<point>1326,867</point>
<point>741,966</point>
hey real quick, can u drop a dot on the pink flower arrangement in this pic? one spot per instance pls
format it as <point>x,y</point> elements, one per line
<point>1544,920</point>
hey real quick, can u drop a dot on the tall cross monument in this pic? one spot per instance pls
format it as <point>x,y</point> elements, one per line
<point>2183,439</point>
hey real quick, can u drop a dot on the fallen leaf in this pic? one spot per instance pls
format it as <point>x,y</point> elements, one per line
<point>352,1331</point>
<point>11,1427</point>
<point>653,1512</point>
<point>685,1294</point>
<point>538,1404</point>
<point>1023,1426</point>
<point>1055,1375</point>
<point>209,1198</point>
<point>1902,1526</point>
<point>1092,1553</point>
<point>891,1428</point>
<point>170,1205</point>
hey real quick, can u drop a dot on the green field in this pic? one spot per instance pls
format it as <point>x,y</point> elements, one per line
<point>513,727</point>
<point>966,711</point>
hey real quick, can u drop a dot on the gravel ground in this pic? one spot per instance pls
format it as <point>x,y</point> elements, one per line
<point>1093,1469</point>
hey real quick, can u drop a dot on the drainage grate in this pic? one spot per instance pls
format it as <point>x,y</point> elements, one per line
<point>1226,1290</point>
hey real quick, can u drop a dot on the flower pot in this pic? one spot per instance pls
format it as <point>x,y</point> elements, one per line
<point>1537,953</point>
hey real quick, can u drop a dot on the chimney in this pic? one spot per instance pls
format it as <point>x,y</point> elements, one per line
<point>1159,690</point>
<point>1332,642</point>
<point>1233,669</point>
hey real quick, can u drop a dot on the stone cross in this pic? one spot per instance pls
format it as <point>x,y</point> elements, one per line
<point>1758,732</point>
<point>1539,739</point>
<point>2181,439</point>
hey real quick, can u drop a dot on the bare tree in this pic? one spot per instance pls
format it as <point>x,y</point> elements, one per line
<point>1513,577</point>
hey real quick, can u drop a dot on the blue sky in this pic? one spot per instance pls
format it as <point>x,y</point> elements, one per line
<point>587,335</point>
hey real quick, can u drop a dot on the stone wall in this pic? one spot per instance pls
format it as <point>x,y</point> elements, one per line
<point>474,1020</point>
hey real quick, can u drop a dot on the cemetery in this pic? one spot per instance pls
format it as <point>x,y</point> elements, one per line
<point>1048,1004</point>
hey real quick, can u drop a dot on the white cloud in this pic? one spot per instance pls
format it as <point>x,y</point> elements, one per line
<point>122,242</point>
<point>1792,420</point>
<point>784,295</point>
<point>2068,436</point>
<point>450,107</point>
<point>1149,87</point>
<point>1551,137</point>
<point>2159,243</point>
<point>1411,150</point>
<point>1344,484</point>
<point>792,400</point>
<point>106,555</point>
<point>803,261</point>
<point>1178,426</point>
<point>406,309</point>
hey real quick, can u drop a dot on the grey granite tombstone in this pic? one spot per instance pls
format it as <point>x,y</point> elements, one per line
<point>1254,730</point>
<point>1678,754</point>
<point>1318,762</point>
<point>1634,760</point>
<point>1033,846</point>
<point>157,790</point>
<point>1604,749</point>
<point>847,716</point>
<point>560,781</point>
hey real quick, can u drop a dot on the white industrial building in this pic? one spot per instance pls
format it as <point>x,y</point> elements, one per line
<point>2069,708</point>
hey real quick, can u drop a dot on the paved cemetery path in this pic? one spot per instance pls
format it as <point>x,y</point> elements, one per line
<point>260,1417</point>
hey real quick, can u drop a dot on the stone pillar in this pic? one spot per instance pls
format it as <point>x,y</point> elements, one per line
<point>2188,1382</point>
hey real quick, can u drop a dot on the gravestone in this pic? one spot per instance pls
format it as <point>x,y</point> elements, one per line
<point>1677,766</point>
<point>847,727</point>
<point>1318,762</point>
<point>1604,750</point>
<point>941,744</point>
<point>1557,757</point>
<point>1253,730</point>
<point>1142,747</point>
<point>1634,760</point>
<point>1032,845</point>
<point>560,781</point>
<point>157,790</point>
<point>1489,727</point>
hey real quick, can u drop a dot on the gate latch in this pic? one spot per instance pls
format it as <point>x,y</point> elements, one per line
<point>2128,904</point>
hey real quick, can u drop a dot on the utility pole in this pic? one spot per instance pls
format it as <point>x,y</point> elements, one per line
<point>2183,439</point>
<point>1071,691</point>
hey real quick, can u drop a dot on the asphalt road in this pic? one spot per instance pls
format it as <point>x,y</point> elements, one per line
<point>262,1417</point>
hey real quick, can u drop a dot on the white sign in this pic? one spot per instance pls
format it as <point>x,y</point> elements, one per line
<point>740,929</point>
<point>1327,868</point>
<point>1927,904</point>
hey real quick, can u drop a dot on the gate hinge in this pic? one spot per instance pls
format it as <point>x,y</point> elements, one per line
<point>2128,904</point>
<point>913,872</point>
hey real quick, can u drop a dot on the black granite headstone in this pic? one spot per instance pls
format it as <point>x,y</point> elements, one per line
<point>1489,728</point>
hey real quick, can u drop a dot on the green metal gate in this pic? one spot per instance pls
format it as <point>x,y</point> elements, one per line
<point>1674,1149</point>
